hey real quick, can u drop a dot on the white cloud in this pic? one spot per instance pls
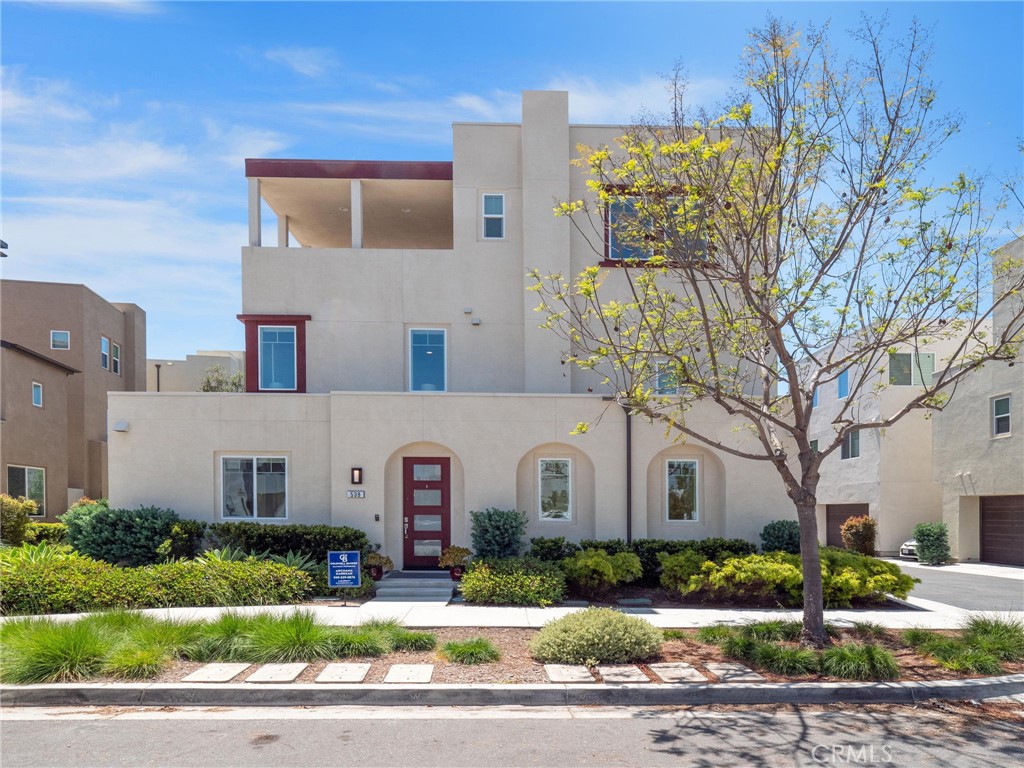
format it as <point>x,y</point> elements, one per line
<point>36,100</point>
<point>119,7</point>
<point>231,144</point>
<point>620,103</point>
<point>311,62</point>
<point>120,155</point>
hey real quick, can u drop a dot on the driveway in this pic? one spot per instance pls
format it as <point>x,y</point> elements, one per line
<point>969,586</point>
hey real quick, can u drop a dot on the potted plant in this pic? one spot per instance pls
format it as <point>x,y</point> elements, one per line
<point>455,559</point>
<point>377,564</point>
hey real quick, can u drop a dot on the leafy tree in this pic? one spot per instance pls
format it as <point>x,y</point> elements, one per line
<point>217,379</point>
<point>772,246</point>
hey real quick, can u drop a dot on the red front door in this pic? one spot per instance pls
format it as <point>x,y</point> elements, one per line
<point>426,510</point>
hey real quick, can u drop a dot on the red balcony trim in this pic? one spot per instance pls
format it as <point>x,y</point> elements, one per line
<point>420,170</point>
<point>252,349</point>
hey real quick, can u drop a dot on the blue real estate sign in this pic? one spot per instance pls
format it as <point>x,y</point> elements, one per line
<point>343,569</point>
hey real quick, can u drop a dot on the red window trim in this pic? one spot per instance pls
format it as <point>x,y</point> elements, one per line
<point>252,349</point>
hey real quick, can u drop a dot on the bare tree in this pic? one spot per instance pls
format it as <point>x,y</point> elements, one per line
<point>769,249</point>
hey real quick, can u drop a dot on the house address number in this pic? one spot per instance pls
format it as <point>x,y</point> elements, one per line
<point>356,494</point>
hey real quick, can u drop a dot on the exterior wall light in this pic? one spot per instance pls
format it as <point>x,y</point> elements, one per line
<point>357,475</point>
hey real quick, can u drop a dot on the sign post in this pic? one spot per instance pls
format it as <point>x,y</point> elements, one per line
<point>343,570</point>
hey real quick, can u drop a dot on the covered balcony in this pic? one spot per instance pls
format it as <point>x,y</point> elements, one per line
<point>353,203</point>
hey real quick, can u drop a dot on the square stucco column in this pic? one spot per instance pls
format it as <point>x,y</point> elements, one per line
<point>357,213</point>
<point>255,236</point>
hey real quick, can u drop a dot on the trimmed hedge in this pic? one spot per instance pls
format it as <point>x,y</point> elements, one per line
<point>79,583</point>
<point>593,572</point>
<point>185,539</point>
<point>14,519</point>
<point>513,581</point>
<point>497,533</point>
<point>51,533</point>
<point>313,540</point>
<point>932,543</point>
<point>596,636</point>
<point>124,536</point>
<point>781,536</point>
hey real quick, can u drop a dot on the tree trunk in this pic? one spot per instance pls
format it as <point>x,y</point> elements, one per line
<point>813,633</point>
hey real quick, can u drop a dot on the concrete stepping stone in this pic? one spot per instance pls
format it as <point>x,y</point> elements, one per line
<point>276,673</point>
<point>734,673</point>
<point>409,673</point>
<point>568,673</point>
<point>622,673</point>
<point>216,673</point>
<point>343,673</point>
<point>678,672</point>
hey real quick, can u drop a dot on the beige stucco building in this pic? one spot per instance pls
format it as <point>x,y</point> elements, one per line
<point>978,446</point>
<point>397,378</point>
<point>166,375</point>
<point>65,349</point>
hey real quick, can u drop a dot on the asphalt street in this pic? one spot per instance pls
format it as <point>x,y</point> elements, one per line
<point>499,737</point>
<point>971,591</point>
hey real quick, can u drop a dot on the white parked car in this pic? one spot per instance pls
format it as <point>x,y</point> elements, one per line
<point>909,549</point>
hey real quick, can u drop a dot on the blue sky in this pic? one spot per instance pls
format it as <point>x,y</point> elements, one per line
<point>125,125</point>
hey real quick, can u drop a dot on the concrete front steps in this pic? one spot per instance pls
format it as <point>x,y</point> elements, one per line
<point>415,586</point>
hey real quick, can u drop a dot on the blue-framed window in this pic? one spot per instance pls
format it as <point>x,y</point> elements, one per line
<point>844,385</point>
<point>278,357</point>
<point>428,370</point>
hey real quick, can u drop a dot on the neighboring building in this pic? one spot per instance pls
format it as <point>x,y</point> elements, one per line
<point>978,444</point>
<point>397,377</point>
<point>186,375</point>
<point>64,349</point>
<point>886,474</point>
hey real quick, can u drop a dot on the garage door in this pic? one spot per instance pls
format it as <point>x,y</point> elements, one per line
<point>1002,529</point>
<point>835,516</point>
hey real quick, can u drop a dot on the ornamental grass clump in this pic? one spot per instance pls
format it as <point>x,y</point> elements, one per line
<point>1003,638</point>
<point>596,636</point>
<point>283,639</point>
<point>784,659</point>
<point>478,650</point>
<point>853,661</point>
<point>46,651</point>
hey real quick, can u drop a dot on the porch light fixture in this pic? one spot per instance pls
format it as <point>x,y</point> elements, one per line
<point>357,475</point>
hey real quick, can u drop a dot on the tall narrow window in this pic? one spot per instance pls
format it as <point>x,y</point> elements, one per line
<point>427,364</point>
<point>621,220</point>
<point>277,357</point>
<point>851,446</point>
<point>60,339</point>
<point>814,398</point>
<point>1000,416</point>
<point>681,481</point>
<point>37,394</point>
<point>29,482</point>
<point>115,359</point>
<point>494,217</point>
<point>844,385</point>
<point>555,501</point>
<point>254,487</point>
<point>105,353</point>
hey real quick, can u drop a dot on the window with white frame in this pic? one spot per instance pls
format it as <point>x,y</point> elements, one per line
<point>911,368</point>
<point>681,489</point>
<point>29,482</point>
<point>555,502</point>
<point>37,394</point>
<point>1000,415</point>
<point>277,363</point>
<point>844,385</point>
<point>494,217</point>
<point>105,353</point>
<point>60,339</point>
<point>115,359</point>
<point>666,382</point>
<point>427,364</point>
<point>254,487</point>
<point>851,446</point>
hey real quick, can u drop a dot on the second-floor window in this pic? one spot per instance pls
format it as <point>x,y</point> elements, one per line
<point>60,339</point>
<point>277,357</point>
<point>1000,415</point>
<point>37,394</point>
<point>620,221</point>
<point>105,353</point>
<point>115,359</point>
<point>911,368</point>
<point>427,364</point>
<point>844,385</point>
<point>494,217</point>
<point>851,446</point>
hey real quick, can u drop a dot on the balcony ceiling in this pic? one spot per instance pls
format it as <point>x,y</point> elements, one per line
<point>404,213</point>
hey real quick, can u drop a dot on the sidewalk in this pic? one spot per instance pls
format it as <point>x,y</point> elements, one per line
<point>967,569</point>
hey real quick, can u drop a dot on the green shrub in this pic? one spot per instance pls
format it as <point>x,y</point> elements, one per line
<point>848,576</point>
<point>14,519</point>
<point>932,543</point>
<point>184,540</point>
<point>784,660</point>
<point>398,638</point>
<point>647,550</point>
<point>77,583</point>
<point>611,546</point>
<point>552,549</point>
<point>678,569</point>
<point>124,536</point>
<point>715,634</point>
<point>513,582</point>
<point>593,572</point>
<point>478,650</point>
<point>675,634</point>
<point>50,533</point>
<point>497,533</point>
<point>781,536</point>
<point>313,540</point>
<point>45,651</point>
<point>285,639</point>
<point>739,647</point>
<point>859,534</point>
<point>772,630</point>
<point>596,636</point>
<point>853,661</point>
<point>1003,638</point>
<point>717,548</point>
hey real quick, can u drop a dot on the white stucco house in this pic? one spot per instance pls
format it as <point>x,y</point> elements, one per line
<point>397,377</point>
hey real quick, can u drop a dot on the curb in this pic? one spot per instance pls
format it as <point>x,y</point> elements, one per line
<point>248,694</point>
